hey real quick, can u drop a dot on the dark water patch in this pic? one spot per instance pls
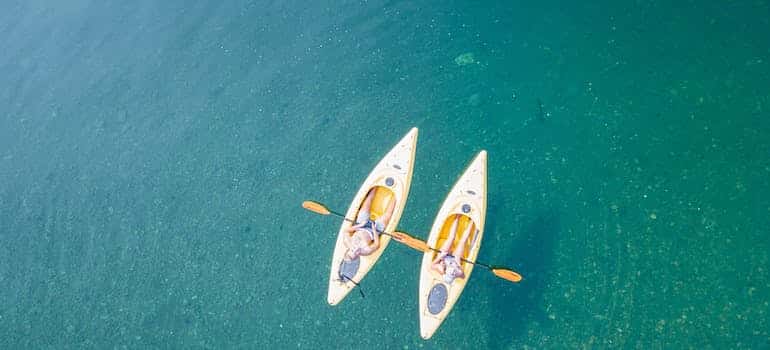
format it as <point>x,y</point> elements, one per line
<point>513,309</point>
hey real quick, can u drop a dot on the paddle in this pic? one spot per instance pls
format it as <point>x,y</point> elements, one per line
<point>319,208</point>
<point>414,243</point>
<point>502,272</point>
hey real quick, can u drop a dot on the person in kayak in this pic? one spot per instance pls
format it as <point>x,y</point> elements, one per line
<point>449,265</point>
<point>364,236</point>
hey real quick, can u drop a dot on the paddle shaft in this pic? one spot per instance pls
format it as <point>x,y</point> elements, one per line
<point>463,259</point>
<point>415,243</point>
<point>429,247</point>
<point>501,272</point>
<point>353,222</point>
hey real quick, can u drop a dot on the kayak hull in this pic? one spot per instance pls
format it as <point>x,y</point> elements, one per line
<point>392,178</point>
<point>468,198</point>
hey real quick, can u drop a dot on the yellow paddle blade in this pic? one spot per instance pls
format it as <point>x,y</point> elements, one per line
<point>410,241</point>
<point>315,207</point>
<point>507,274</point>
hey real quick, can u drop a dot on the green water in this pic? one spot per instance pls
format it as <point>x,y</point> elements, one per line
<point>153,156</point>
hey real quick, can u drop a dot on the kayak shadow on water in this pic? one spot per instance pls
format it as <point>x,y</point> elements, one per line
<point>530,252</point>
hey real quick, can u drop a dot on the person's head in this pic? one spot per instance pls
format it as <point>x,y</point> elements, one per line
<point>451,270</point>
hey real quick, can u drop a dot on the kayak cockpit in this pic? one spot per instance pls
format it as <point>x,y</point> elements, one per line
<point>463,223</point>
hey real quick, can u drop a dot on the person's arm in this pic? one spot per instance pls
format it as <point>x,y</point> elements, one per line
<point>376,235</point>
<point>440,256</point>
<point>355,227</point>
<point>346,241</point>
<point>368,249</point>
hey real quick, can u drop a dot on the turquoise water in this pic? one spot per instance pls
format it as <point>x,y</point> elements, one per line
<point>154,155</point>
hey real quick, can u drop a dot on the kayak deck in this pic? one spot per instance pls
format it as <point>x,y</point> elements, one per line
<point>468,199</point>
<point>391,178</point>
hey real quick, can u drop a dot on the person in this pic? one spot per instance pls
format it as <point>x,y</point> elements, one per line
<point>449,266</point>
<point>364,237</point>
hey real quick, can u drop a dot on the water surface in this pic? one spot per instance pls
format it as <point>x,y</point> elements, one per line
<point>153,157</point>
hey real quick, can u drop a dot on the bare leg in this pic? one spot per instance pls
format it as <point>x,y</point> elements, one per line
<point>452,234</point>
<point>368,201</point>
<point>385,218</point>
<point>438,262</point>
<point>460,248</point>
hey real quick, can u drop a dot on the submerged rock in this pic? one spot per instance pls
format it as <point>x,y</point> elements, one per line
<point>474,100</point>
<point>465,59</point>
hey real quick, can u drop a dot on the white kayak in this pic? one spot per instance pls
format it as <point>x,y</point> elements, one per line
<point>391,179</point>
<point>468,199</point>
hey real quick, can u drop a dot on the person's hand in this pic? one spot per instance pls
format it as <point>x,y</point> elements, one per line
<point>442,254</point>
<point>354,227</point>
<point>376,235</point>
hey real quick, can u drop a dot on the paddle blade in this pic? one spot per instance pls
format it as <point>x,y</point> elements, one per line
<point>410,241</point>
<point>315,207</point>
<point>507,275</point>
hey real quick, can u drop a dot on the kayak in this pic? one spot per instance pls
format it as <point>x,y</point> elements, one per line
<point>468,198</point>
<point>390,179</point>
